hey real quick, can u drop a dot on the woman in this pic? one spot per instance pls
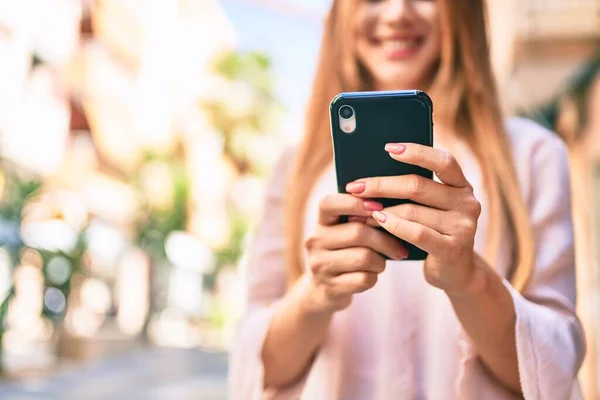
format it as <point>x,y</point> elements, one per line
<point>490,313</point>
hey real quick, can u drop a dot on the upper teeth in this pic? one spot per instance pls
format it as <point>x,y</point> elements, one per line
<point>399,44</point>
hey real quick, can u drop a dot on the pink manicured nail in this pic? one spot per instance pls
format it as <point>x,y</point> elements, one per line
<point>371,205</point>
<point>357,219</point>
<point>403,253</point>
<point>355,187</point>
<point>395,148</point>
<point>379,216</point>
<point>402,256</point>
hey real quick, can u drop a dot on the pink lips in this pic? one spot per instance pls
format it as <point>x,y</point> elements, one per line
<point>401,49</point>
<point>402,54</point>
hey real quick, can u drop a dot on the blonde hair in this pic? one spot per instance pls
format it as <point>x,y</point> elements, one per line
<point>470,106</point>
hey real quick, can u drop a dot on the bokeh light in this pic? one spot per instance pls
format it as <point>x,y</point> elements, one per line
<point>135,142</point>
<point>95,296</point>
<point>133,291</point>
<point>55,300</point>
<point>59,270</point>
<point>186,251</point>
<point>5,273</point>
<point>51,235</point>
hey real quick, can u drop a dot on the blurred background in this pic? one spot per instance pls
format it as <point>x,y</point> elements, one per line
<point>135,137</point>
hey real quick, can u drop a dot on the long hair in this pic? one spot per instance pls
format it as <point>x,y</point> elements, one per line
<point>464,80</point>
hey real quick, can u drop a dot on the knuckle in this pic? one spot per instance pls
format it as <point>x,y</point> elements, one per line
<point>473,206</point>
<point>371,280</point>
<point>311,243</point>
<point>380,267</point>
<point>363,257</point>
<point>476,208</point>
<point>416,151</point>
<point>419,150</point>
<point>326,202</point>
<point>432,277</point>
<point>366,281</point>
<point>377,185</point>
<point>397,227</point>
<point>419,233</point>
<point>468,226</point>
<point>377,264</point>
<point>363,279</point>
<point>448,160</point>
<point>417,185</point>
<point>411,212</point>
<point>317,264</point>
<point>359,232</point>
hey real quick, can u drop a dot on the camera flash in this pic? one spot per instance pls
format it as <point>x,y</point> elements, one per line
<point>347,119</point>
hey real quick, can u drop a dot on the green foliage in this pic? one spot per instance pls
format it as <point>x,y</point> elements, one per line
<point>153,225</point>
<point>248,72</point>
<point>253,68</point>
<point>4,310</point>
<point>75,258</point>
<point>252,75</point>
<point>232,253</point>
<point>19,187</point>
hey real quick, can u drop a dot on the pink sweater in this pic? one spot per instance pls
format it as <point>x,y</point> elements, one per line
<point>401,339</point>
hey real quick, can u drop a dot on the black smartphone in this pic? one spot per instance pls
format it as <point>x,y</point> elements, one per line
<point>362,123</point>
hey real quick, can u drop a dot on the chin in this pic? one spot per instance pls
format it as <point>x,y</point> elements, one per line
<point>399,81</point>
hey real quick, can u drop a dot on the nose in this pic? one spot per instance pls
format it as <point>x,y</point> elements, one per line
<point>398,11</point>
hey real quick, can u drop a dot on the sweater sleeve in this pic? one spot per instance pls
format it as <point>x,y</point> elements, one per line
<point>549,336</point>
<point>266,276</point>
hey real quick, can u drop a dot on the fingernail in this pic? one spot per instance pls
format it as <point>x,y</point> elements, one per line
<point>372,205</point>
<point>357,219</point>
<point>379,216</point>
<point>403,253</point>
<point>395,148</point>
<point>355,187</point>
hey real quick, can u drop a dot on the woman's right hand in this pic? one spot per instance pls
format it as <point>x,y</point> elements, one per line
<point>346,258</point>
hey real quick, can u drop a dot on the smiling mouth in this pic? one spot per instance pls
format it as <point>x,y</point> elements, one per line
<point>401,48</point>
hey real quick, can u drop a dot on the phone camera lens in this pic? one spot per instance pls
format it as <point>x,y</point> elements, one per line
<point>346,112</point>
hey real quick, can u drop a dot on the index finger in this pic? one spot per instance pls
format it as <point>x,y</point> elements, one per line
<point>333,206</point>
<point>441,162</point>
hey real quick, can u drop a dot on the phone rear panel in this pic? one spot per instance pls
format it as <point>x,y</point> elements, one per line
<point>381,118</point>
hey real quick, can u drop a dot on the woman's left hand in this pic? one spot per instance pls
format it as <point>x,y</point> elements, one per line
<point>443,223</point>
